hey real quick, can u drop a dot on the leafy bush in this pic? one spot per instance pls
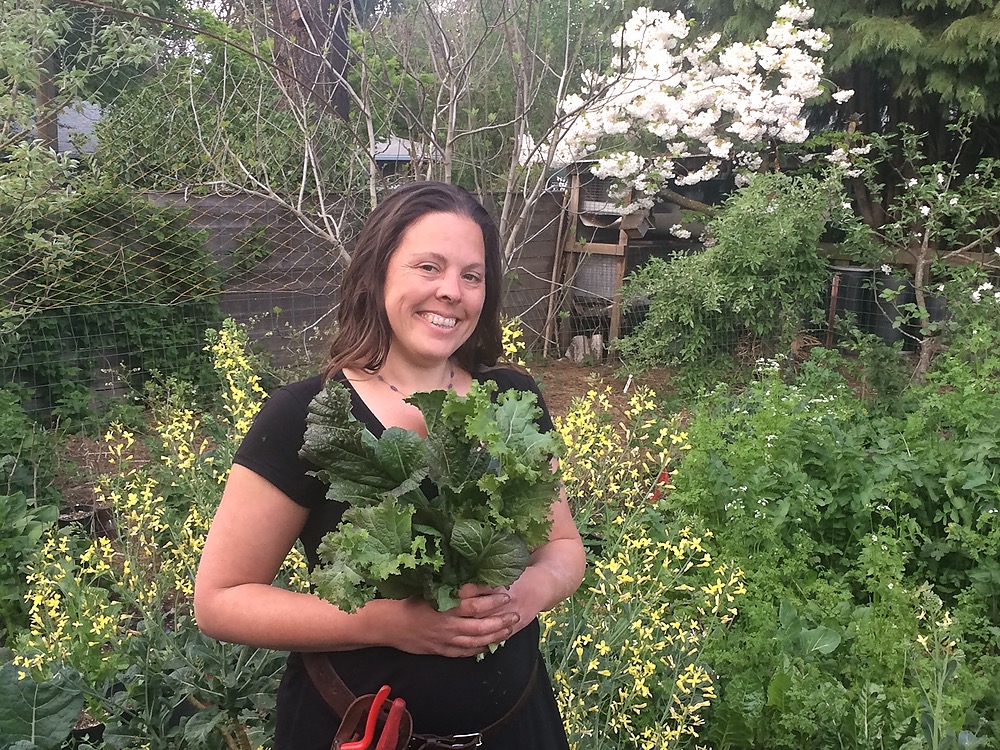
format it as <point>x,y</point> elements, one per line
<point>868,537</point>
<point>28,504</point>
<point>92,272</point>
<point>760,279</point>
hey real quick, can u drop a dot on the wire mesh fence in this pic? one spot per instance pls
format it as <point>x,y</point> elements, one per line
<point>164,167</point>
<point>167,166</point>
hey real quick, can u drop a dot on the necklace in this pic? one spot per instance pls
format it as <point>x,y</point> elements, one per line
<point>394,389</point>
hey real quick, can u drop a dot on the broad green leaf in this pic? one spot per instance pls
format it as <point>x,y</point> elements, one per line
<point>402,454</point>
<point>39,713</point>
<point>344,449</point>
<point>498,558</point>
<point>820,640</point>
<point>777,690</point>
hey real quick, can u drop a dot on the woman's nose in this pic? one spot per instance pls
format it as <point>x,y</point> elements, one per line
<point>450,287</point>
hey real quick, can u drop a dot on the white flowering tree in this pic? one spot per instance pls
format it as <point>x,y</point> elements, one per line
<point>670,96</point>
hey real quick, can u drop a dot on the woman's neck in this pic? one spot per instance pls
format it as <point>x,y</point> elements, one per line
<point>405,378</point>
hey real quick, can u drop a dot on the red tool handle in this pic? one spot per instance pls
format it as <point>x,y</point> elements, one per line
<point>390,732</point>
<point>376,706</point>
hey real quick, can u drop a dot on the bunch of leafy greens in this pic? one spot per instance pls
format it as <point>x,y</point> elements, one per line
<point>486,460</point>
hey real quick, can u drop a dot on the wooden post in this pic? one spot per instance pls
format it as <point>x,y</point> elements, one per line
<point>557,262</point>
<point>616,301</point>
<point>570,258</point>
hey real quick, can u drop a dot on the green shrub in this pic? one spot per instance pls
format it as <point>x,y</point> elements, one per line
<point>869,541</point>
<point>760,279</point>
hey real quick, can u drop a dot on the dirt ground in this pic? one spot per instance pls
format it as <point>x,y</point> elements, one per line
<point>562,381</point>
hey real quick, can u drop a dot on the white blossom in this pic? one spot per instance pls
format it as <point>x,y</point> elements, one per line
<point>843,96</point>
<point>886,269</point>
<point>678,231</point>
<point>925,210</point>
<point>837,156</point>
<point>696,95</point>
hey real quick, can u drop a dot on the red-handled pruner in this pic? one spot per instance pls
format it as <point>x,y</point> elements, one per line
<point>373,712</point>
<point>390,732</point>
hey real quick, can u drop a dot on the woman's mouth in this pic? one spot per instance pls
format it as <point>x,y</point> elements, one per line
<point>439,320</point>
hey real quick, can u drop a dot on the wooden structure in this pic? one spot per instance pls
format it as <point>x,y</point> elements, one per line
<point>588,203</point>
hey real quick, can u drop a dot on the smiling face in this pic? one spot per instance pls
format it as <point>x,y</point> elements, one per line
<point>435,286</point>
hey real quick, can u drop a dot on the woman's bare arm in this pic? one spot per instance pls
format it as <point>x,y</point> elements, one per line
<point>253,530</point>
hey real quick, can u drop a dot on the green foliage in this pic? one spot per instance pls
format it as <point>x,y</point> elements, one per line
<point>88,53</point>
<point>217,115</point>
<point>98,276</point>
<point>22,523</point>
<point>760,279</point>
<point>37,715</point>
<point>867,534</point>
<point>28,504</point>
<point>491,466</point>
<point>183,689</point>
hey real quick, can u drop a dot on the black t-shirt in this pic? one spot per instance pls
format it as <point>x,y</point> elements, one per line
<point>444,695</point>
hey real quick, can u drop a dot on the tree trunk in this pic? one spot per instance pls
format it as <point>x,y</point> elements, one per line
<point>46,111</point>
<point>311,45</point>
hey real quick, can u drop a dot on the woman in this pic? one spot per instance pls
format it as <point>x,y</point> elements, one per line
<point>419,312</point>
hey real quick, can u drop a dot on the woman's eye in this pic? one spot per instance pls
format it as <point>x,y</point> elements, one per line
<point>429,267</point>
<point>473,278</point>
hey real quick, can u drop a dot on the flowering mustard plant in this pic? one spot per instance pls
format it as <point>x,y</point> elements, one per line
<point>609,459</point>
<point>85,594</point>
<point>243,394</point>
<point>512,340</point>
<point>625,650</point>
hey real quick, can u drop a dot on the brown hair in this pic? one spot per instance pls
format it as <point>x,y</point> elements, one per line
<point>363,331</point>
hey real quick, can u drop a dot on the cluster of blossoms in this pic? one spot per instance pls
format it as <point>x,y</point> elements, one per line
<point>512,340</point>
<point>985,288</point>
<point>630,670</point>
<point>695,97</point>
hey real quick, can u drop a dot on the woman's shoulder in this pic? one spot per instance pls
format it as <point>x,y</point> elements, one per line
<point>302,390</point>
<point>290,402</point>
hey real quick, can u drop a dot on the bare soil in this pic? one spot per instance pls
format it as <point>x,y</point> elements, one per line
<point>562,381</point>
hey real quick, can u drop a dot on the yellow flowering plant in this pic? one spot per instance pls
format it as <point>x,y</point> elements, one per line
<point>625,651</point>
<point>119,610</point>
<point>512,340</point>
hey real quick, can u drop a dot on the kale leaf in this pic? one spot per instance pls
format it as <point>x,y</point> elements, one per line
<point>490,466</point>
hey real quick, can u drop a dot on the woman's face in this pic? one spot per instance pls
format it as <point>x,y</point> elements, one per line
<point>435,286</point>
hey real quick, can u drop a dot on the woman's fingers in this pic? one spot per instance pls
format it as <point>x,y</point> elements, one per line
<point>454,633</point>
<point>482,605</point>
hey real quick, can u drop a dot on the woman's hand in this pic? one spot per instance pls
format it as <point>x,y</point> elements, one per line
<point>483,617</point>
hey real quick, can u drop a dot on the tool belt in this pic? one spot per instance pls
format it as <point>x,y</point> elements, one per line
<point>367,717</point>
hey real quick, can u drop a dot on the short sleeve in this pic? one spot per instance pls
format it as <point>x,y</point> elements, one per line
<point>271,446</point>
